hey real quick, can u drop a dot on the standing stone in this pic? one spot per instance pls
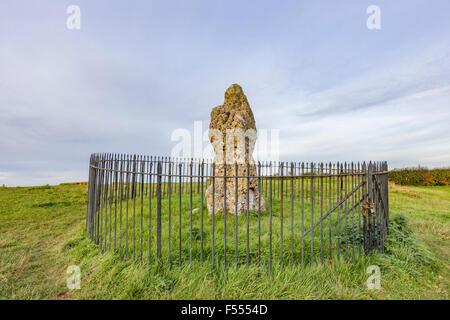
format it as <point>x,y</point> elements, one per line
<point>232,133</point>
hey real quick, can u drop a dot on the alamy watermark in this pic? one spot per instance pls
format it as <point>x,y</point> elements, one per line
<point>374,281</point>
<point>237,144</point>
<point>74,279</point>
<point>374,20</point>
<point>73,21</point>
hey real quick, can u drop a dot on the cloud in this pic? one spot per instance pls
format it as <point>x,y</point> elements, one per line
<point>133,74</point>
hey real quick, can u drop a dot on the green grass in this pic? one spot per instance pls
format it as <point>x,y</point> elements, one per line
<point>42,232</point>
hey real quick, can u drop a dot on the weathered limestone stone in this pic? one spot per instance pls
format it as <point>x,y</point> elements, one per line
<point>232,133</point>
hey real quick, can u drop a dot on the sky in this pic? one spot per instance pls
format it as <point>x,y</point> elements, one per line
<point>136,71</point>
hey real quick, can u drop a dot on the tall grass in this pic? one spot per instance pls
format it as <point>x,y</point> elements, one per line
<point>406,265</point>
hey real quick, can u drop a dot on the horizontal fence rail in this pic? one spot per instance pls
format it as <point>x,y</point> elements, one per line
<point>155,208</point>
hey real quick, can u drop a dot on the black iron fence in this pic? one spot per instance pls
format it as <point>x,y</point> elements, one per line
<point>154,208</point>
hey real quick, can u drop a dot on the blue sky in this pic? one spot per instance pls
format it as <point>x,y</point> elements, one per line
<point>138,70</point>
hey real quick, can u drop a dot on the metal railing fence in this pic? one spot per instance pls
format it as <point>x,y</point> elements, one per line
<point>154,208</point>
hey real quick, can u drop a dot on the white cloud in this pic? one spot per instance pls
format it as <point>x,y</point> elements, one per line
<point>334,92</point>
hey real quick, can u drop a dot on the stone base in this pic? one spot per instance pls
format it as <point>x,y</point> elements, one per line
<point>255,201</point>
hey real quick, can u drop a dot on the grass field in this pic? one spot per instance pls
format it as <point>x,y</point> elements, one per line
<point>42,232</point>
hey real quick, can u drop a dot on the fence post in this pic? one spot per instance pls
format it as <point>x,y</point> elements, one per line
<point>95,195</point>
<point>378,199</point>
<point>365,204</point>
<point>90,192</point>
<point>370,204</point>
<point>158,212</point>
<point>387,194</point>
<point>133,179</point>
<point>385,197</point>
<point>88,213</point>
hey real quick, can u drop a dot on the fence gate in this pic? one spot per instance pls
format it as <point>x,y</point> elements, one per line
<point>154,208</point>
